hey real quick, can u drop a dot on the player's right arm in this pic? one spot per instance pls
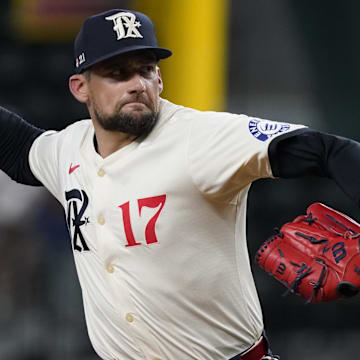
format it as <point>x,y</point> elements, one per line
<point>16,139</point>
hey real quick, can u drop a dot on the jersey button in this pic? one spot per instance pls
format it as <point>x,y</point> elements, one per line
<point>101,172</point>
<point>129,318</point>
<point>101,220</point>
<point>110,269</point>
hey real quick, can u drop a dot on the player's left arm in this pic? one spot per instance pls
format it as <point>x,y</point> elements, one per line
<point>311,152</point>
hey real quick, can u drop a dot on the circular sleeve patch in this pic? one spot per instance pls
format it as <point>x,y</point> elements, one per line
<point>264,129</point>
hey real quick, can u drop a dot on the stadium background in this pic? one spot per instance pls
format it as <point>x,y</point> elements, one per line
<point>286,60</point>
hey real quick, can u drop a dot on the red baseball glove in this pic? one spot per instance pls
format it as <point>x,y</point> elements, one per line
<point>316,256</point>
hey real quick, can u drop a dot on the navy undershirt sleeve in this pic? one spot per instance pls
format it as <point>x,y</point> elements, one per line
<point>311,152</point>
<point>16,138</point>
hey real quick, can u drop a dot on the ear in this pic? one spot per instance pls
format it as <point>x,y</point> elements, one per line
<point>78,86</point>
<point>161,84</point>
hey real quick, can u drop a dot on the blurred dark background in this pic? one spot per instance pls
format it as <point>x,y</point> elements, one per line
<point>287,60</point>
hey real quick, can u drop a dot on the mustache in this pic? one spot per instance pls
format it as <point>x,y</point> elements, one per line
<point>140,98</point>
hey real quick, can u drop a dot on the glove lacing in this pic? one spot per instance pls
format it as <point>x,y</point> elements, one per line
<point>349,234</point>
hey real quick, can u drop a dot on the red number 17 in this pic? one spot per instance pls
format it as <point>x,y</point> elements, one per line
<point>151,202</point>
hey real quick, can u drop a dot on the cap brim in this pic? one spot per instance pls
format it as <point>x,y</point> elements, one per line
<point>161,53</point>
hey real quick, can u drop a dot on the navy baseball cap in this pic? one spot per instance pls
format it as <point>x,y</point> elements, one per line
<point>112,33</point>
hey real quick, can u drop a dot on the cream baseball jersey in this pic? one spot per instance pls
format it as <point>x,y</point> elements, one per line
<point>158,232</point>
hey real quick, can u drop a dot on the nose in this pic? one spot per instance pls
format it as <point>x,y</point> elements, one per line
<point>136,84</point>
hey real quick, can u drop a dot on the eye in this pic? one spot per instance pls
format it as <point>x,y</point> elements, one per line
<point>118,74</point>
<point>148,70</point>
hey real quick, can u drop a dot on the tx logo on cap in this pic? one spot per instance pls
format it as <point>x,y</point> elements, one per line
<point>125,25</point>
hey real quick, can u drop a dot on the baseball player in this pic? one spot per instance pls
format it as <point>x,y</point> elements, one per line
<point>155,199</point>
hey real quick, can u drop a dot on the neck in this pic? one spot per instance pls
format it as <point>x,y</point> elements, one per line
<point>110,141</point>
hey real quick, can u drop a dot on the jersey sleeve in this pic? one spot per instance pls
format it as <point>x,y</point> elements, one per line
<point>227,152</point>
<point>44,161</point>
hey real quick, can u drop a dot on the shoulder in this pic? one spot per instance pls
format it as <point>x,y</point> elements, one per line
<point>77,129</point>
<point>73,134</point>
<point>178,112</point>
<point>203,124</point>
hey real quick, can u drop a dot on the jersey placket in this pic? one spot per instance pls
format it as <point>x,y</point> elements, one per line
<point>122,302</point>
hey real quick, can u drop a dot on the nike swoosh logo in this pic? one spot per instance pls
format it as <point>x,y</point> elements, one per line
<point>73,168</point>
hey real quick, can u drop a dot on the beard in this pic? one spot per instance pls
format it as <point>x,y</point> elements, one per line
<point>129,123</point>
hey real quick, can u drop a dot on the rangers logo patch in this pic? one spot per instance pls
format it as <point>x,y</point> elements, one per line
<point>265,129</point>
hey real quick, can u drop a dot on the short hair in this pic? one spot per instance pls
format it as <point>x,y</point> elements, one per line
<point>87,74</point>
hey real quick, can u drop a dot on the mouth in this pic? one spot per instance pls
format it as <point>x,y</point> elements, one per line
<point>136,105</point>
